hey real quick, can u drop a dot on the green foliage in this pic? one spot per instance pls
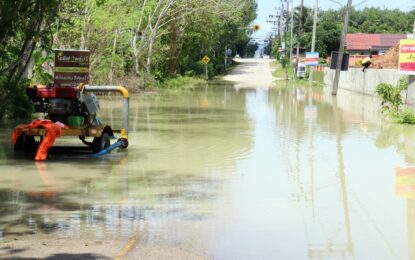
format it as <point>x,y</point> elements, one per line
<point>130,41</point>
<point>392,102</point>
<point>407,116</point>
<point>15,102</point>
<point>183,82</point>
<point>367,20</point>
<point>391,98</point>
<point>285,61</point>
<point>25,26</point>
<point>280,71</point>
<point>40,72</point>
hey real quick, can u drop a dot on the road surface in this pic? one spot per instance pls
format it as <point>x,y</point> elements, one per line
<point>252,73</point>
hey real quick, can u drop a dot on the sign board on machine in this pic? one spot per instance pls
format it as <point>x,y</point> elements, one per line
<point>71,68</point>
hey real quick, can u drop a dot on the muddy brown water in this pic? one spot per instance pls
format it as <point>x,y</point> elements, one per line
<point>286,173</point>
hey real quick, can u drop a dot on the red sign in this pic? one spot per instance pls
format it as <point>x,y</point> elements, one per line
<point>71,68</point>
<point>407,49</point>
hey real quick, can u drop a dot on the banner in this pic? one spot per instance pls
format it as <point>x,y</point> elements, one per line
<point>407,57</point>
<point>71,68</point>
<point>311,58</point>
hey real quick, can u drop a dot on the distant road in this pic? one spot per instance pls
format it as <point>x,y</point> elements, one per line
<point>251,73</point>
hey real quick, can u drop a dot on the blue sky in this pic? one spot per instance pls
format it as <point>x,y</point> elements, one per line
<point>267,7</point>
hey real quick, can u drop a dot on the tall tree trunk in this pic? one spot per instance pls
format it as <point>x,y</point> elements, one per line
<point>16,71</point>
<point>153,35</point>
<point>85,27</point>
<point>173,32</point>
<point>114,48</point>
<point>137,36</point>
<point>150,52</point>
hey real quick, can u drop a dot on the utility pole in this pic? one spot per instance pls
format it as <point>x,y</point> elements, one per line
<point>287,13</point>
<point>341,49</point>
<point>298,39</point>
<point>313,40</point>
<point>292,28</point>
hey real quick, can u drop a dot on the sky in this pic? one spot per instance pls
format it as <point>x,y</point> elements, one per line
<point>267,7</point>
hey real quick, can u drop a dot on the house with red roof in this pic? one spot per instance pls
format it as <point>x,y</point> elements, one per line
<point>375,44</point>
<point>360,45</point>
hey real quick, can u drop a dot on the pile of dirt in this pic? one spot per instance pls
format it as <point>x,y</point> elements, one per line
<point>390,60</point>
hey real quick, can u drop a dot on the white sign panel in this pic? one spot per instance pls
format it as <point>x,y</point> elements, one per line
<point>311,58</point>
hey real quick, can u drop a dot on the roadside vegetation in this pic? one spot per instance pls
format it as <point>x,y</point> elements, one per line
<point>143,43</point>
<point>279,73</point>
<point>392,105</point>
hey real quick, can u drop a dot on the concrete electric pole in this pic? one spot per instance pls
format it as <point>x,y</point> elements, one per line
<point>291,33</point>
<point>313,40</point>
<point>298,38</point>
<point>341,49</point>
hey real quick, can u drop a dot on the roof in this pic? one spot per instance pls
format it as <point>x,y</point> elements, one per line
<point>366,41</point>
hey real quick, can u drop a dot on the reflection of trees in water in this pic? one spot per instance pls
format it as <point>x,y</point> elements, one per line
<point>401,137</point>
<point>196,129</point>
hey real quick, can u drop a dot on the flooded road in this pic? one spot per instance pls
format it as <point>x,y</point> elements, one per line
<point>221,173</point>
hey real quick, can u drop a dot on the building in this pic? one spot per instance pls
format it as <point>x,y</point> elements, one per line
<point>375,44</point>
<point>360,45</point>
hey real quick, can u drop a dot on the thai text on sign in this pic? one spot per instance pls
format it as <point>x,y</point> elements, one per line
<point>407,57</point>
<point>311,58</point>
<point>71,68</point>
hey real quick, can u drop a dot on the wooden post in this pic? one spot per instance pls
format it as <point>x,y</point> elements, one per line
<point>206,71</point>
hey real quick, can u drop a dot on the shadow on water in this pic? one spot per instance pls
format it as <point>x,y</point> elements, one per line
<point>60,257</point>
<point>65,201</point>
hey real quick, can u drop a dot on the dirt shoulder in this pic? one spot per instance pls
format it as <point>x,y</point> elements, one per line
<point>251,73</point>
<point>66,248</point>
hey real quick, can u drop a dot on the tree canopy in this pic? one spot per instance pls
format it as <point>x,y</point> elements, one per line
<point>367,20</point>
<point>132,42</point>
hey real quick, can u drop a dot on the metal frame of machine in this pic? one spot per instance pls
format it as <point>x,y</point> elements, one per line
<point>61,103</point>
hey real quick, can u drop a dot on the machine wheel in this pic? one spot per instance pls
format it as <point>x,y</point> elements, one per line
<point>26,143</point>
<point>101,143</point>
<point>19,145</point>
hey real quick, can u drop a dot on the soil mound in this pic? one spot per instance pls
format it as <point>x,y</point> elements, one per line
<point>390,60</point>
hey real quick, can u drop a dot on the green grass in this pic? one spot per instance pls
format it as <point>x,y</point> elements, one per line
<point>183,82</point>
<point>279,73</point>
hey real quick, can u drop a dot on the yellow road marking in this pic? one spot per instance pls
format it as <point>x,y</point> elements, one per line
<point>127,247</point>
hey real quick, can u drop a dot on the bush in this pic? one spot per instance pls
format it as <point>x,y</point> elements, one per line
<point>392,102</point>
<point>189,73</point>
<point>391,98</point>
<point>407,116</point>
<point>14,102</point>
<point>284,61</point>
<point>183,82</point>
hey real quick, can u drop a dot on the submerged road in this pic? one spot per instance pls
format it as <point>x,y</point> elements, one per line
<point>252,73</point>
<point>221,172</point>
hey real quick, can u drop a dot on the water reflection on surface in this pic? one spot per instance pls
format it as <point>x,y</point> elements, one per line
<point>287,173</point>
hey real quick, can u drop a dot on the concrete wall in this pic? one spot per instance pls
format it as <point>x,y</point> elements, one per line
<point>362,82</point>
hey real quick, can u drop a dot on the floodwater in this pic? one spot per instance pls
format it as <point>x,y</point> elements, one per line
<point>286,173</point>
